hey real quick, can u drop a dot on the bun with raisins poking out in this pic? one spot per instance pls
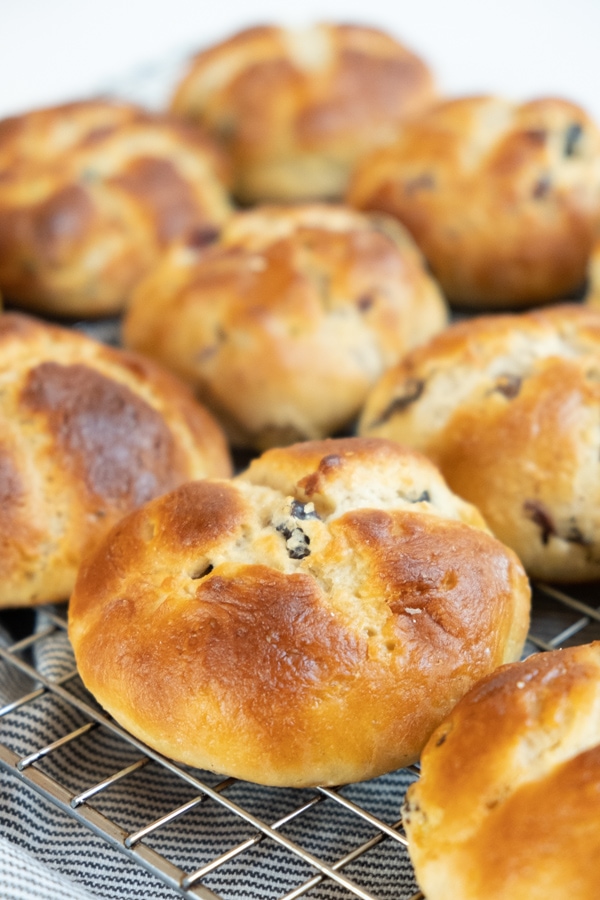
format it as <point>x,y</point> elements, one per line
<point>502,199</point>
<point>308,622</point>
<point>284,323</point>
<point>508,407</point>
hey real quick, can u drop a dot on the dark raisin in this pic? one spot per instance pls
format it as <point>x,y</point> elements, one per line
<point>226,129</point>
<point>300,548</point>
<point>209,350</point>
<point>540,516</point>
<point>296,541</point>
<point>298,511</point>
<point>572,137</point>
<point>206,353</point>
<point>536,136</point>
<point>424,182</point>
<point>441,740</point>
<point>200,237</point>
<point>365,303</point>
<point>412,390</point>
<point>542,187</point>
<point>509,385</point>
<point>424,498</point>
<point>575,536</point>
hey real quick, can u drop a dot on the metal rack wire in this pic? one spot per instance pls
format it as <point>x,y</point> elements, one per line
<point>73,772</point>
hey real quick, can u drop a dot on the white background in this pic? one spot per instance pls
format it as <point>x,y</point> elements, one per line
<point>52,50</point>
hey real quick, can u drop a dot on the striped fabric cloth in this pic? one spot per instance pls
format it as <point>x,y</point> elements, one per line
<point>22,877</point>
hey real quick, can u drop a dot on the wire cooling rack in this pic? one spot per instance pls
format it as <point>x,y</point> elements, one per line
<point>90,770</point>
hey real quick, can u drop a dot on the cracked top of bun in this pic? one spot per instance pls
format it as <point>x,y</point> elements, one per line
<point>295,108</point>
<point>309,622</point>
<point>284,322</point>
<point>502,198</point>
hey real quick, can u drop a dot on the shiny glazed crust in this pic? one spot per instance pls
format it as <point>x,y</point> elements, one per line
<point>90,192</point>
<point>508,408</point>
<point>507,804</point>
<point>285,322</point>
<point>309,622</point>
<point>296,109</point>
<point>502,199</point>
<point>87,433</point>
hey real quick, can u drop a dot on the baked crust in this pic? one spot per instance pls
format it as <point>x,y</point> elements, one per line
<point>502,199</point>
<point>309,622</point>
<point>285,322</point>
<point>507,804</point>
<point>507,407</point>
<point>296,109</point>
<point>90,192</point>
<point>87,433</point>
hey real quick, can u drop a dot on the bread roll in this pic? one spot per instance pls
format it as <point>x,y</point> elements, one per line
<point>284,323</point>
<point>297,108</point>
<point>87,433</point>
<point>508,800</point>
<point>508,408</point>
<point>309,622</point>
<point>503,199</point>
<point>90,193</point>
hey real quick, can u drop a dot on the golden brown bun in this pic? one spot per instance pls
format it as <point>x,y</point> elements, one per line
<point>508,408</point>
<point>90,192</point>
<point>502,199</point>
<point>284,324</point>
<point>507,804</point>
<point>309,622</point>
<point>296,109</point>
<point>87,433</point>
